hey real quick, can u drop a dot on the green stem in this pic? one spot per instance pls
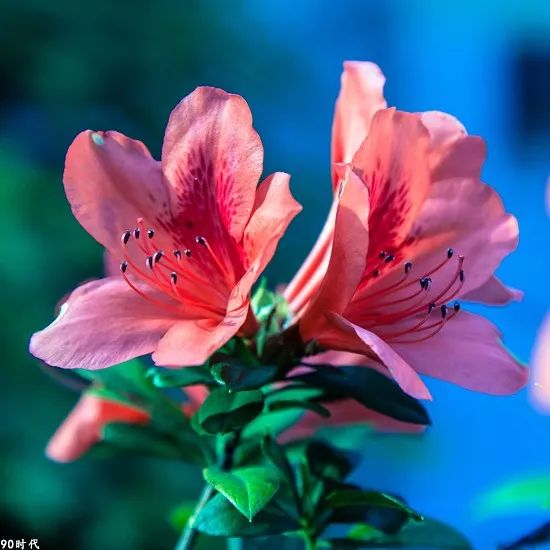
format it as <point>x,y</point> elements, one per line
<point>311,543</point>
<point>189,534</point>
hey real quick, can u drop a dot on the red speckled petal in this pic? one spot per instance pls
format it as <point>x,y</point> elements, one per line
<point>394,164</point>
<point>212,159</point>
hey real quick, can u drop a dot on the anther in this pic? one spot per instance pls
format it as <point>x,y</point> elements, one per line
<point>174,277</point>
<point>389,258</point>
<point>425,283</point>
<point>431,307</point>
<point>383,254</point>
<point>200,240</point>
<point>158,255</point>
<point>187,252</point>
<point>461,275</point>
<point>450,253</point>
<point>125,237</point>
<point>456,306</point>
<point>136,233</point>
<point>408,267</point>
<point>177,254</point>
<point>149,262</point>
<point>124,266</point>
<point>375,273</point>
<point>150,233</point>
<point>443,311</point>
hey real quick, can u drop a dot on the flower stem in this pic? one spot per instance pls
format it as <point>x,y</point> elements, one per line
<point>189,534</point>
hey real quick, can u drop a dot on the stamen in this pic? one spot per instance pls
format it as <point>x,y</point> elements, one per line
<point>443,311</point>
<point>382,254</point>
<point>450,253</point>
<point>136,233</point>
<point>389,258</point>
<point>158,256</point>
<point>456,307</point>
<point>149,262</point>
<point>124,266</point>
<point>187,252</point>
<point>150,233</point>
<point>408,267</point>
<point>125,237</point>
<point>177,254</point>
<point>174,277</point>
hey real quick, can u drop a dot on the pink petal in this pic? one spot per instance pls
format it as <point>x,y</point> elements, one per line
<point>361,95</point>
<point>212,159</point>
<point>193,342</point>
<point>540,379</point>
<point>111,180</point>
<point>274,209</point>
<point>347,258</point>
<point>103,323</point>
<point>83,427</point>
<point>493,292</point>
<point>394,164</point>
<point>468,351</point>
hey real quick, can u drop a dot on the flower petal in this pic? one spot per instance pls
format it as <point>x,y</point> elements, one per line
<point>361,95</point>
<point>347,258</point>
<point>468,351</point>
<point>493,292</point>
<point>274,209</point>
<point>540,380</point>
<point>103,323</point>
<point>393,161</point>
<point>193,342</point>
<point>83,427</point>
<point>212,159</point>
<point>111,180</point>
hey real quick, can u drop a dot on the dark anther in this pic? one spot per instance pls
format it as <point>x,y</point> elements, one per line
<point>461,275</point>
<point>125,237</point>
<point>177,254</point>
<point>431,307</point>
<point>375,273</point>
<point>174,277</point>
<point>124,266</point>
<point>425,283</point>
<point>150,233</point>
<point>450,253</point>
<point>408,267</point>
<point>149,262</point>
<point>200,240</point>
<point>187,252</point>
<point>136,232</point>
<point>389,258</point>
<point>383,254</point>
<point>443,311</point>
<point>158,255</point>
<point>456,306</point>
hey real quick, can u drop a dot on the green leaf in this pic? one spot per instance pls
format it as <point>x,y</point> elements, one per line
<point>224,411</point>
<point>243,377</point>
<point>326,462</point>
<point>219,518</point>
<point>180,515</point>
<point>144,439</point>
<point>370,388</point>
<point>307,405</point>
<point>179,378</point>
<point>363,531</point>
<point>351,497</point>
<point>248,489</point>
<point>426,535</point>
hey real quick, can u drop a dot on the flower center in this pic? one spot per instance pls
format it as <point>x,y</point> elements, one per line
<point>185,275</point>
<point>419,304</point>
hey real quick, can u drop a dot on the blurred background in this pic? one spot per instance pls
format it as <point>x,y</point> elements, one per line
<point>66,66</point>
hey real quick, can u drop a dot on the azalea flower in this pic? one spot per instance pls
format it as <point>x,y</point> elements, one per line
<point>411,230</point>
<point>540,381</point>
<point>83,427</point>
<point>192,233</point>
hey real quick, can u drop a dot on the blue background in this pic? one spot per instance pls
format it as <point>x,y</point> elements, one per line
<point>124,65</point>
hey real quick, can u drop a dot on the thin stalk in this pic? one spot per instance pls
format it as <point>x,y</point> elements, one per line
<point>189,534</point>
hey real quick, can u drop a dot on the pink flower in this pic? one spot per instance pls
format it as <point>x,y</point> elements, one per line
<point>84,425</point>
<point>192,233</point>
<point>540,380</point>
<point>412,228</point>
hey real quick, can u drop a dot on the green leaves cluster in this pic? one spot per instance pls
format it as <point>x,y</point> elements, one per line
<point>256,486</point>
